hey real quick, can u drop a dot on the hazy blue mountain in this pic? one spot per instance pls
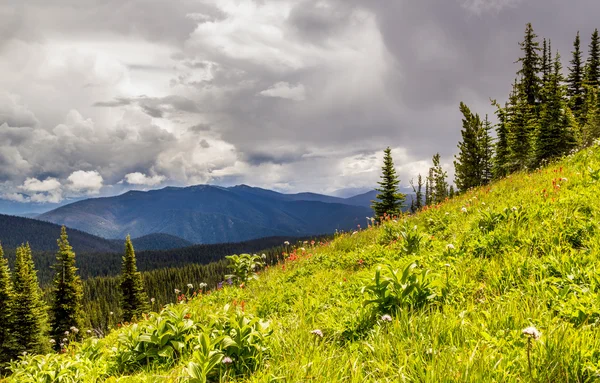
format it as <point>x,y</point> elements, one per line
<point>210,214</point>
<point>366,198</point>
<point>29,209</point>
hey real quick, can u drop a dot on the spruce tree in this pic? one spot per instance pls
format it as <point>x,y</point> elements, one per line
<point>575,88</point>
<point>29,310</point>
<point>530,66</point>
<point>67,291</point>
<point>468,162</point>
<point>556,135</point>
<point>545,64</point>
<point>390,199</point>
<point>7,340</point>
<point>134,301</point>
<point>487,152</point>
<point>417,202</point>
<point>592,70</point>
<point>439,184</point>
<point>500,165</point>
<point>428,187</point>
<point>590,130</point>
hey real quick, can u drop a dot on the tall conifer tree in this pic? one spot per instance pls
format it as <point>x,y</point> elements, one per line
<point>7,340</point>
<point>500,166</point>
<point>592,69</point>
<point>468,163</point>
<point>439,184</point>
<point>591,128</point>
<point>67,291</point>
<point>134,300</point>
<point>390,199</point>
<point>29,310</point>
<point>417,202</point>
<point>487,152</point>
<point>575,88</point>
<point>556,134</point>
<point>530,66</point>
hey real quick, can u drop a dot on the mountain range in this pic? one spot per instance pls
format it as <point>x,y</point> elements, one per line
<point>213,214</point>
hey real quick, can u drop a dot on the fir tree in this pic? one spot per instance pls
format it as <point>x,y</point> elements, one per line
<point>592,70</point>
<point>67,291</point>
<point>545,64</point>
<point>29,310</point>
<point>451,191</point>
<point>390,200</point>
<point>556,134</point>
<point>575,88</point>
<point>500,165</point>
<point>439,190</point>
<point>590,130</point>
<point>7,341</point>
<point>428,187</point>
<point>522,123</point>
<point>134,301</point>
<point>530,66</point>
<point>417,202</point>
<point>487,152</point>
<point>468,162</point>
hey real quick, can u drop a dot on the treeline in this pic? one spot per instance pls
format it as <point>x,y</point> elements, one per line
<point>92,264</point>
<point>547,115</point>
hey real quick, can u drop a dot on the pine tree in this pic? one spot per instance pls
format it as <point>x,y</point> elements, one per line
<point>134,301</point>
<point>439,184</point>
<point>29,310</point>
<point>556,134</point>
<point>451,191</point>
<point>592,69</point>
<point>487,152</point>
<point>468,162</point>
<point>7,340</point>
<point>575,88</point>
<point>428,187</point>
<point>67,291</point>
<point>545,64</point>
<point>531,62</point>
<point>390,200</point>
<point>500,165</point>
<point>417,202</point>
<point>590,130</point>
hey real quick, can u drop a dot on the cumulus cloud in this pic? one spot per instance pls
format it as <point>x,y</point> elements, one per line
<point>138,178</point>
<point>284,90</point>
<point>89,182</point>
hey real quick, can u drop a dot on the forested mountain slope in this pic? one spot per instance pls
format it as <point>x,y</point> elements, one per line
<point>498,284</point>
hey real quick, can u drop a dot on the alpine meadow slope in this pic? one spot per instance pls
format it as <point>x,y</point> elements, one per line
<point>499,284</point>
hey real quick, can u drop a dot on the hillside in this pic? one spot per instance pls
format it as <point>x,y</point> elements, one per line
<point>499,284</point>
<point>209,214</point>
<point>42,236</point>
<point>157,241</point>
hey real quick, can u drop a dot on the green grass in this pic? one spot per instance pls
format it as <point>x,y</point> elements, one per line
<point>525,253</point>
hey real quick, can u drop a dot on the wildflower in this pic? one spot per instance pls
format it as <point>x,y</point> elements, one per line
<point>447,213</point>
<point>202,285</point>
<point>483,203</point>
<point>220,285</point>
<point>514,208</point>
<point>89,332</point>
<point>386,318</point>
<point>74,329</point>
<point>355,232</point>
<point>190,286</point>
<point>65,340</point>
<point>264,256</point>
<point>110,313</point>
<point>227,360</point>
<point>303,249</point>
<point>52,341</point>
<point>305,242</point>
<point>286,243</point>
<point>62,345</point>
<point>447,265</point>
<point>564,179</point>
<point>229,282</point>
<point>177,291</point>
<point>317,332</point>
<point>532,332</point>
<point>66,333</point>
<point>464,209</point>
<point>152,300</point>
<point>450,246</point>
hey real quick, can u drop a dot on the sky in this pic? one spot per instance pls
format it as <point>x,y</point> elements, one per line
<point>101,96</point>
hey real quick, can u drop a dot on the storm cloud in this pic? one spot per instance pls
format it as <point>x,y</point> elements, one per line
<point>297,95</point>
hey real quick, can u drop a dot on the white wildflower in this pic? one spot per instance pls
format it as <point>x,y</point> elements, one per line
<point>66,333</point>
<point>227,360</point>
<point>52,341</point>
<point>464,209</point>
<point>202,285</point>
<point>190,286</point>
<point>317,332</point>
<point>264,256</point>
<point>532,332</point>
<point>450,246</point>
<point>152,300</point>
<point>62,345</point>
<point>356,232</point>
<point>386,318</point>
<point>287,243</point>
<point>65,340</point>
<point>110,313</point>
<point>177,291</point>
<point>89,332</point>
<point>74,329</point>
